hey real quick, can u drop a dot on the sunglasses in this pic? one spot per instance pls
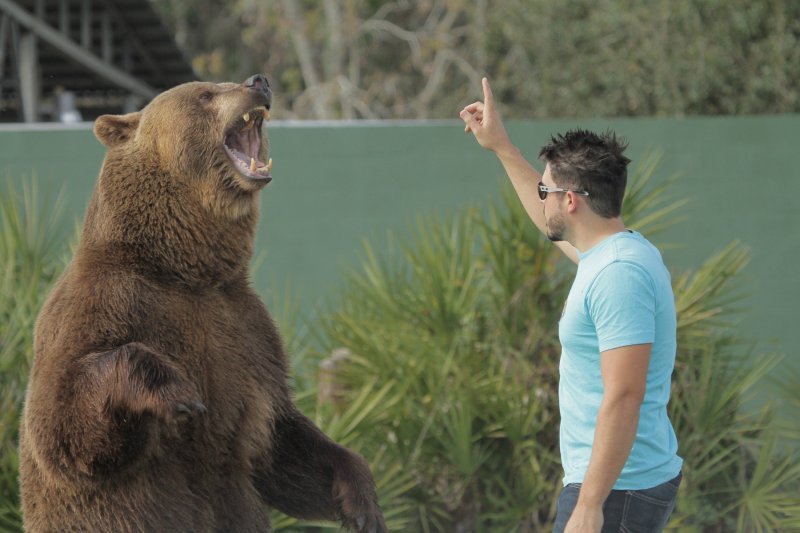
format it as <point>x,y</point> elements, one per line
<point>544,190</point>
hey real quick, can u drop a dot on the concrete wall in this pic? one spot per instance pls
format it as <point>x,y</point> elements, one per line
<point>337,184</point>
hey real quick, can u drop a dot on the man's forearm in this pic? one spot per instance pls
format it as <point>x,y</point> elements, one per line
<point>615,432</point>
<point>525,180</point>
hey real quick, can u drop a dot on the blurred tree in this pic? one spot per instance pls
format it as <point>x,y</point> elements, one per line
<point>423,59</point>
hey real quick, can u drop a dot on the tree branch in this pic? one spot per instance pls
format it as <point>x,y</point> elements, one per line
<point>304,57</point>
<point>411,38</point>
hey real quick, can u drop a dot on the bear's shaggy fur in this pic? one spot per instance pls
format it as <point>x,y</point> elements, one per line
<point>158,398</point>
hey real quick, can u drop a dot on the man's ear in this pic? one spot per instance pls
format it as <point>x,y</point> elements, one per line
<point>113,130</point>
<point>572,201</point>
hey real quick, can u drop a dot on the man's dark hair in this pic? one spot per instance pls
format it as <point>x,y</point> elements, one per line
<point>586,161</point>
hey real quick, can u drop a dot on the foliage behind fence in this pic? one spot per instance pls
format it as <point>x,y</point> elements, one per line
<point>375,59</point>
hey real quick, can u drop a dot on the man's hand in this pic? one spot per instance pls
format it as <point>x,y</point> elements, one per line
<point>482,119</point>
<point>585,520</point>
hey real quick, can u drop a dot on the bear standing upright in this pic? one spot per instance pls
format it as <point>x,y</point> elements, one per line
<point>158,398</point>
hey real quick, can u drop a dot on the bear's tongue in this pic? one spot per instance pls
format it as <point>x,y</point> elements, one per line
<point>244,146</point>
<point>245,143</point>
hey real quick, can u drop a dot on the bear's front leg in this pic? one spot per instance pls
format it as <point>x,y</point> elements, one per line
<point>309,476</point>
<point>126,399</point>
<point>354,492</point>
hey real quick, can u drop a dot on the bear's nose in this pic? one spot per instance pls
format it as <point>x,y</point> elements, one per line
<point>258,82</point>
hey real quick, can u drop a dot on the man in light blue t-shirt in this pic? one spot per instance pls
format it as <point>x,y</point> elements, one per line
<point>617,331</point>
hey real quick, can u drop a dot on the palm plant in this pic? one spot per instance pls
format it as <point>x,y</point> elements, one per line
<point>738,476</point>
<point>446,371</point>
<point>31,257</point>
<point>452,334</point>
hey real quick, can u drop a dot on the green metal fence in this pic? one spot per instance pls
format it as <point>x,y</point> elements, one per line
<point>337,184</point>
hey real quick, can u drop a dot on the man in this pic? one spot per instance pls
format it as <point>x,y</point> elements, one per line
<point>617,331</point>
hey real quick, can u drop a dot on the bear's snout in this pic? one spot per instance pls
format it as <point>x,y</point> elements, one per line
<point>258,82</point>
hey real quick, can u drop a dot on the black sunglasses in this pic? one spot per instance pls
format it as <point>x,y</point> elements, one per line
<point>544,190</point>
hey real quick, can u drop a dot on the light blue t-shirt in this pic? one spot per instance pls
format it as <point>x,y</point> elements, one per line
<point>621,296</point>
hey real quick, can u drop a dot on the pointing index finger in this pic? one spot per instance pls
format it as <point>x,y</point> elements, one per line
<point>488,97</point>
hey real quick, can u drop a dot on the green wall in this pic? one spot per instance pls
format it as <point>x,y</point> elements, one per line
<point>337,184</point>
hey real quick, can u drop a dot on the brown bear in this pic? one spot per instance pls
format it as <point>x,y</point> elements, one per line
<point>158,398</point>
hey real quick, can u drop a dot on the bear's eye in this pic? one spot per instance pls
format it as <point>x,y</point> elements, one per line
<point>206,96</point>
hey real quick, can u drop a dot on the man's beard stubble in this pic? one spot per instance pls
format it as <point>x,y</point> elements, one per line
<point>555,228</point>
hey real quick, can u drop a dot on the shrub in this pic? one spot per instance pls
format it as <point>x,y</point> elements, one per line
<point>454,338</point>
<point>31,258</point>
<point>445,374</point>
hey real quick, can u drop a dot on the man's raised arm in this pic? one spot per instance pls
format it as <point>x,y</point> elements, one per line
<point>483,120</point>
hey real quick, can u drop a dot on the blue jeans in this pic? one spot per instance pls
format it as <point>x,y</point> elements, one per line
<point>625,511</point>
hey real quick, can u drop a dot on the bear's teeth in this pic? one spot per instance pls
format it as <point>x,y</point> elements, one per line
<point>266,114</point>
<point>252,165</point>
<point>246,117</point>
<point>269,164</point>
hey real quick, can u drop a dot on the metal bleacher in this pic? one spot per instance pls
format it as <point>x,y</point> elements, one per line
<point>73,60</point>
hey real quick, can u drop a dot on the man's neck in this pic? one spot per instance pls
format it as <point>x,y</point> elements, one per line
<point>594,231</point>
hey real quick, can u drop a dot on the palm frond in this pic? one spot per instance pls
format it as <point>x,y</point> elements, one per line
<point>31,247</point>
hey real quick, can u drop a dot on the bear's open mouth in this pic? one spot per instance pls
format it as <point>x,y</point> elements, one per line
<point>243,145</point>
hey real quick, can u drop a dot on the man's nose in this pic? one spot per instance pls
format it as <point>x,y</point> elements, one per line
<point>258,82</point>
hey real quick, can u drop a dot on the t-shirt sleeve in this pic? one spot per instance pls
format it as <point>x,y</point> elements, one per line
<point>622,304</point>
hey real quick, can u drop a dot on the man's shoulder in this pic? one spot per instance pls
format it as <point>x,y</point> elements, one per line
<point>632,244</point>
<point>634,266</point>
<point>627,259</point>
<point>634,249</point>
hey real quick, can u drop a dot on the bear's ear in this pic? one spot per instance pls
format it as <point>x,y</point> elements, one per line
<point>112,130</point>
